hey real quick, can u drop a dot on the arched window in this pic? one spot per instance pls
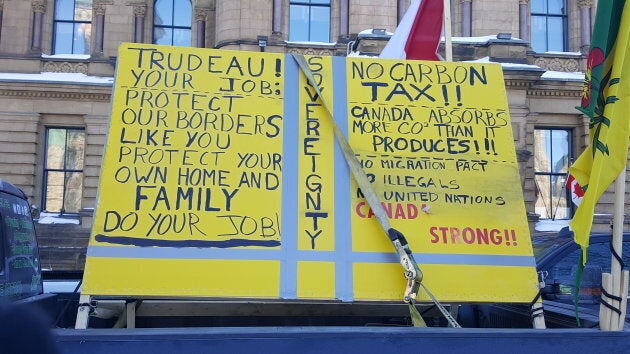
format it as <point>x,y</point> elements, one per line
<point>172,22</point>
<point>72,26</point>
<point>549,25</point>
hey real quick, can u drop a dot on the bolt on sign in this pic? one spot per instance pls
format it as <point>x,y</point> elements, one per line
<point>222,178</point>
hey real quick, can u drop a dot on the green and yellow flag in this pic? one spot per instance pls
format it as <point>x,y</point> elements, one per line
<point>606,100</point>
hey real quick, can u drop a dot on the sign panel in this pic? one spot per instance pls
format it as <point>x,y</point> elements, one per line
<point>193,161</point>
<point>436,142</point>
<point>221,178</point>
<point>316,193</point>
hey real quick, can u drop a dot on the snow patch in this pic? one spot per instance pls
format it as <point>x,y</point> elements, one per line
<point>370,32</point>
<point>67,56</point>
<point>69,78</point>
<point>307,43</point>
<point>549,225</point>
<point>563,76</point>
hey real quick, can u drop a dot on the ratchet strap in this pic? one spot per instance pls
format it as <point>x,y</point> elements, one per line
<point>413,274</point>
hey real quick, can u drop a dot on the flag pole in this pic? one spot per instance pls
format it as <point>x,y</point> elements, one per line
<point>448,46</point>
<point>617,246</point>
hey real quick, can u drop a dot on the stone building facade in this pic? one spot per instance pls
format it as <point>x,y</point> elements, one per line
<point>57,62</point>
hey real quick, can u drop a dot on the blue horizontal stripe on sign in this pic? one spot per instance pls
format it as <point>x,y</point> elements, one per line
<point>183,253</point>
<point>455,259</point>
<point>316,256</point>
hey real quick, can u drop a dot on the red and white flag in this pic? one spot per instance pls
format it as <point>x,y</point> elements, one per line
<point>418,34</point>
<point>577,193</point>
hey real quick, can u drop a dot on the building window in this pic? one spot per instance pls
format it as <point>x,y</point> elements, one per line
<point>172,24</point>
<point>549,25</point>
<point>72,26</point>
<point>551,164</point>
<point>63,170</point>
<point>309,20</point>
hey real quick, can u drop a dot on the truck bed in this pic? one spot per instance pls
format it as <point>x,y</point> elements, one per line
<point>331,340</point>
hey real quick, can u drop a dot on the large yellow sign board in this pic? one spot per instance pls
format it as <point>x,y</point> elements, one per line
<point>222,178</point>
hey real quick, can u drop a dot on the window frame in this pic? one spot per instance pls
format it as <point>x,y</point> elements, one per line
<point>550,173</point>
<point>310,5</point>
<point>73,22</point>
<point>64,170</point>
<point>546,16</point>
<point>172,27</point>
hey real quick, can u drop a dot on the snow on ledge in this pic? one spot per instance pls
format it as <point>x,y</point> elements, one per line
<point>563,76</point>
<point>54,218</point>
<point>369,31</point>
<point>562,53</point>
<point>307,43</point>
<point>67,56</point>
<point>474,40</point>
<point>548,225</point>
<point>66,78</point>
<point>506,65</point>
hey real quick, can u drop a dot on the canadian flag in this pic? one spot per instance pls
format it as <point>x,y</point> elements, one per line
<point>577,193</point>
<point>418,34</point>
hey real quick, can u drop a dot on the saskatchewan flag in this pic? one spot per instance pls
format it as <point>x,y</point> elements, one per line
<point>606,101</point>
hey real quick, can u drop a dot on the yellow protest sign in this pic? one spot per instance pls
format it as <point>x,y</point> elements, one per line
<point>193,161</point>
<point>316,193</point>
<point>436,142</point>
<point>221,178</point>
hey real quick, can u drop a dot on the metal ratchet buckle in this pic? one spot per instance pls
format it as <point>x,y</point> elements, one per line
<point>412,271</point>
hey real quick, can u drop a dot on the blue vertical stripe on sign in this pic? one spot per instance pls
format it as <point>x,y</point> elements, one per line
<point>289,231</point>
<point>343,230</point>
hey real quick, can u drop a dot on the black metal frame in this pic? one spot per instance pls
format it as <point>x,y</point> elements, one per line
<point>73,22</point>
<point>310,5</point>
<point>46,170</point>
<point>172,27</point>
<point>550,174</point>
<point>565,20</point>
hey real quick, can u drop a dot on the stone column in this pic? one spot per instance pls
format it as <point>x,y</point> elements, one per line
<point>344,14</point>
<point>39,9</point>
<point>585,24</point>
<point>99,23</point>
<point>1,13</point>
<point>276,28</point>
<point>523,20</point>
<point>402,8</point>
<point>466,9</point>
<point>139,13</point>
<point>201,15</point>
